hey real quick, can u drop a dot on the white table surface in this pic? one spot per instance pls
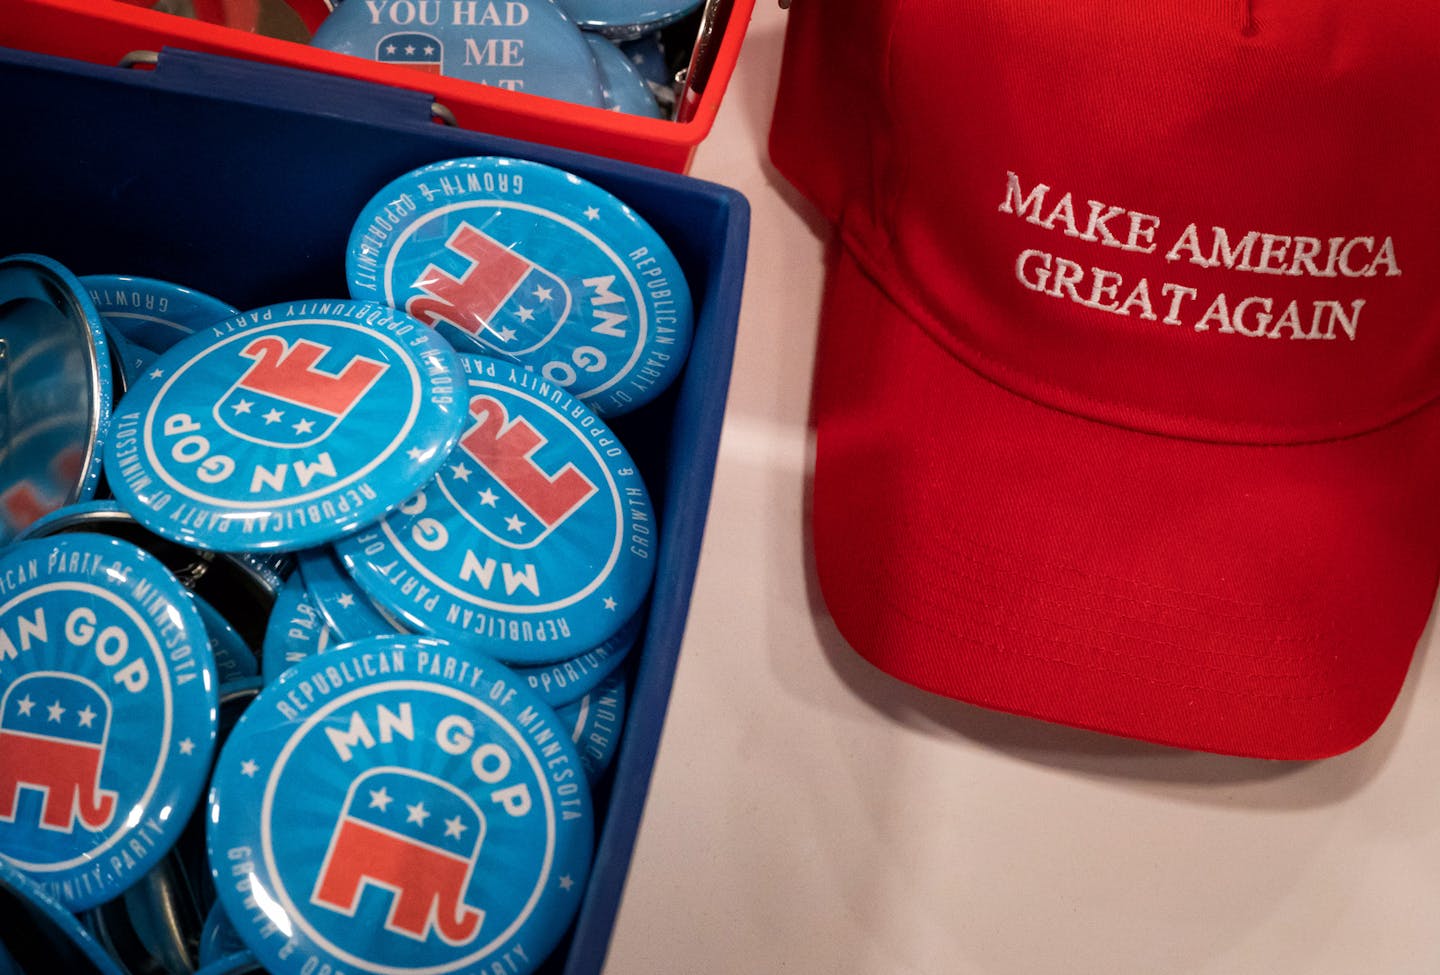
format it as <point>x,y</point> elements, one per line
<point>809,814</point>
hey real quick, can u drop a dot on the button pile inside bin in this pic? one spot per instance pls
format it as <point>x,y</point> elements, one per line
<point>317,670</point>
<point>580,51</point>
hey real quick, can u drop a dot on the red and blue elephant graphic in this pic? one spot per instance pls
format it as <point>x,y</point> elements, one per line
<point>413,835</point>
<point>54,728</point>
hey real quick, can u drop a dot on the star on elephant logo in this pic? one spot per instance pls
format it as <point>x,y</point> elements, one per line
<point>415,836</point>
<point>53,732</point>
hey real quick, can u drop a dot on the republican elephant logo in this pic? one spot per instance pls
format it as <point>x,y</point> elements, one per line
<point>413,49</point>
<point>502,298</point>
<point>415,836</point>
<point>53,732</point>
<point>532,502</point>
<point>287,398</point>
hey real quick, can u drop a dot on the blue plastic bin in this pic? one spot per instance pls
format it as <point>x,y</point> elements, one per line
<point>242,180</point>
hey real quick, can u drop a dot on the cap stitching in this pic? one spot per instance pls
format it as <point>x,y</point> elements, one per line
<point>1299,637</point>
<point>1092,667</point>
<point>895,290</point>
<point>894,161</point>
<point>1248,26</point>
<point>1108,577</point>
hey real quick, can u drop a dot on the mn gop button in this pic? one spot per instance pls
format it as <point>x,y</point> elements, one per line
<point>595,722</point>
<point>234,660</point>
<point>128,361</point>
<point>241,587</point>
<point>285,427</point>
<point>647,54</point>
<point>566,681</point>
<point>533,542</point>
<point>348,610</point>
<point>107,713</point>
<point>530,263</point>
<point>296,630</point>
<point>153,314</point>
<point>400,805</point>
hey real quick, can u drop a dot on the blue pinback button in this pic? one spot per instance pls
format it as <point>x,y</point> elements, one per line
<point>533,542</point>
<point>530,263</point>
<point>128,361</point>
<point>107,713</point>
<point>400,805</point>
<point>623,85</point>
<point>271,567</point>
<point>296,630</point>
<point>285,427</point>
<point>218,938</point>
<point>348,610</point>
<point>627,18</point>
<point>55,390</point>
<point>153,314</point>
<point>527,47</point>
<point>234,660</point>
<point>40,934</point>
<point>566,681</point>
<point>240,586</point>
<point>647,54</point>
<point>595,722</point>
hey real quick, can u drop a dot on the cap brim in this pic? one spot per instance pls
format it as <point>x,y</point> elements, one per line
<point>1250,600</point>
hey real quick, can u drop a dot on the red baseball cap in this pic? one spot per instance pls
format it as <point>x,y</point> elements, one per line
<point>1126,390</point>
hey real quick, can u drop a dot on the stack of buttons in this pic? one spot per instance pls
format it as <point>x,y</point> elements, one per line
<point>375,594</point>
<point>573,50</point>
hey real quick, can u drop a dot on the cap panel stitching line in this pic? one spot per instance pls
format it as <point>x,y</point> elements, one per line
<point>1092,667</point>
<point>1248,26</point>
<point>961,541</point>
<point>893,287</point>
<point>894,162</point>
<point>1303,636</point>
<point>1158,657</point>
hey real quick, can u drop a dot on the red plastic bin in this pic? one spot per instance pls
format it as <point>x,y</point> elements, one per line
<point>106,31</point>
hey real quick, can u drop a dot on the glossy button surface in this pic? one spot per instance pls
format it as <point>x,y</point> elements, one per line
<point>626,18</point>
<point>595,722</point>
<point>534,541</point>
<point>55,390</point>
<point>108,713</point>
<point>295,630</point>
<point>153,314</point>
<point>400,805</point>
<point>519,45</point>
<point>527,262</point>
<point>625,87</point>
<point>566,681</point>
<point>345,607</point>
<point>285,427</point>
